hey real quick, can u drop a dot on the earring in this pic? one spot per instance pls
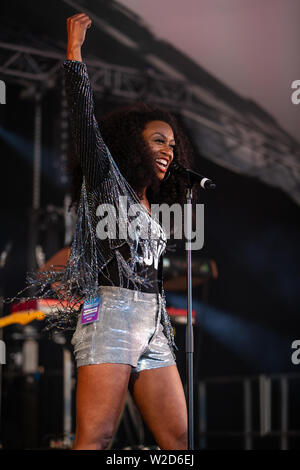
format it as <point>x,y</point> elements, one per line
<point>167,174</point>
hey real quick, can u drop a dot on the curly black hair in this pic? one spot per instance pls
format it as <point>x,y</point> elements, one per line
<point>121,130</point>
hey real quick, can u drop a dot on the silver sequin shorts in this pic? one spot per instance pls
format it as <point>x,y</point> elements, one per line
<point>128,331</point>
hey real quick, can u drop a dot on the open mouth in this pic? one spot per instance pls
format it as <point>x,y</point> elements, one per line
<point>162,164</point>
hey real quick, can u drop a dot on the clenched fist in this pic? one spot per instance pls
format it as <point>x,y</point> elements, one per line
<point>76,28</point>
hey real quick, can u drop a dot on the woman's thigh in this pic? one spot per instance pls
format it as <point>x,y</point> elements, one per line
<point>159,395</point>
<point>100,396</point>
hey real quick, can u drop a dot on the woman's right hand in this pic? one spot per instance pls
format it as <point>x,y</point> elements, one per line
<point>76,28</point>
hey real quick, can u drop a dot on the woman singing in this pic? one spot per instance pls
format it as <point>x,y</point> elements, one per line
<point>124,339</point>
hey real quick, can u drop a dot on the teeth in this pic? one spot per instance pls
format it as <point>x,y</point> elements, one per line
<point>162,162</point>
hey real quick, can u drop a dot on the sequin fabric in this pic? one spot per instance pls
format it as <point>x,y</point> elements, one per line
<point>122,334</point>
<point>103,183</point>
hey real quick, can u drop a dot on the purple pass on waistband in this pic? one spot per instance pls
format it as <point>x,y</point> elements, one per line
<point>90,311</point>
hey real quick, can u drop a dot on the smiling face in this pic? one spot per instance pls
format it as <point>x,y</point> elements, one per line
<point>160,138</point>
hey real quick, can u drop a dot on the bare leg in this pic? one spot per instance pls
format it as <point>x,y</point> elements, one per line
<point>160,398</point>
<point>100,396</point>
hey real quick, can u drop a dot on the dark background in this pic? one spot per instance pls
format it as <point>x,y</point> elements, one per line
<point>247,318</point>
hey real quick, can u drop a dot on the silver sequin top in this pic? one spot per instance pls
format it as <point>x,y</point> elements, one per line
<point>102,184</point>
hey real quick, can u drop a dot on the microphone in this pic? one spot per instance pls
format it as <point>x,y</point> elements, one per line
<point>192,176</point>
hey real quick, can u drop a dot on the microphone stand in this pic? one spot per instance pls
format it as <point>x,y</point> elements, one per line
<point>192,177</point>
<point>189,337</point>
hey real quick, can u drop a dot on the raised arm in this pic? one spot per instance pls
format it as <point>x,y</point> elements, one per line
<point>88,143</point>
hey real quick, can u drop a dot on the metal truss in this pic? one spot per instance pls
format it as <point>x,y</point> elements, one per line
<point>251,144</point>
<point>28,66</point>
<point>31,66</point>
